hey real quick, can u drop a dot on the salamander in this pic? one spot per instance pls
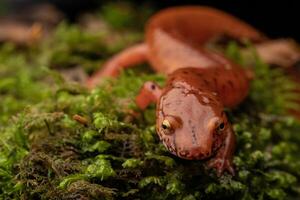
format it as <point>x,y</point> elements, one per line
<point>190,117</point>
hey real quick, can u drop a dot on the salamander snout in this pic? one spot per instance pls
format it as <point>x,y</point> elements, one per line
<point>195,153</point>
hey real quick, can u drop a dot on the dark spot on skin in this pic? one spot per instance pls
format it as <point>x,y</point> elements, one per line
<point>223,87</point>
<point>206,82</point>
<point>153,87</point>
<point>185,72</point>
<point>230,83</point>
<point>215,81</point>
<point>194,139</point>
<point>168,104</point>
<point>199,74</point>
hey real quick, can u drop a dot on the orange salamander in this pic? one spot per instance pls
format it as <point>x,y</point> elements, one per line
<point>190,117</point>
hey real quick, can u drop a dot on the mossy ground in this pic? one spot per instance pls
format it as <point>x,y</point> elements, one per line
<point>114,152</point>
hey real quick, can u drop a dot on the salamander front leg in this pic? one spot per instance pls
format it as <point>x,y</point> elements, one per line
<point>149,93</point>
<point>223,159</point>
<point>127,58</point>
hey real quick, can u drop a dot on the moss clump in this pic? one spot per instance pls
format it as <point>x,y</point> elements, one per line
<point>113,152</point>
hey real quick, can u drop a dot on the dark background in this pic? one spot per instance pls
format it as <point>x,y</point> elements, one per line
<point>275,18</point>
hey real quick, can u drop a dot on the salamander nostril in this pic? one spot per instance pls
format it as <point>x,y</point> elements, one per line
<point>183,153</point>
<point>153,87</point>
<point>195,153</point>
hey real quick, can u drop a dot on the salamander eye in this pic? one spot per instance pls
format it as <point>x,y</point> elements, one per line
<point>221,126</point>
<point>167,127</point>
<point>166,124</point>
<point>169,124</point>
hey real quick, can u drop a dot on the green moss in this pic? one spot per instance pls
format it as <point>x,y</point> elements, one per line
<point>45,154</point>
<point>122,15</point>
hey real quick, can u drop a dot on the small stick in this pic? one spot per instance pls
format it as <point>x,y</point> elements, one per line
<point>80,119</point>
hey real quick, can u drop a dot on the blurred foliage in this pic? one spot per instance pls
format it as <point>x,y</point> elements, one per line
<point>116,154</point>
<point>121,16</point>
<point>69,47</point>
<point>3,7</point>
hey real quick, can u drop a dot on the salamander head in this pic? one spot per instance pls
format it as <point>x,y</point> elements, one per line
<point>192,125</point>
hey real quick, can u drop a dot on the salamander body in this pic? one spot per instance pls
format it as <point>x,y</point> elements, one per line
<point>190,117</point>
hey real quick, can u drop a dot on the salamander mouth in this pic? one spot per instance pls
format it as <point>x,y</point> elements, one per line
<point>194,153</point>
<point>198,155</point>
<point>190,154</point>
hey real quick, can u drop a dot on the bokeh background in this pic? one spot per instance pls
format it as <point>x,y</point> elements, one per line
<point>275,18</point>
